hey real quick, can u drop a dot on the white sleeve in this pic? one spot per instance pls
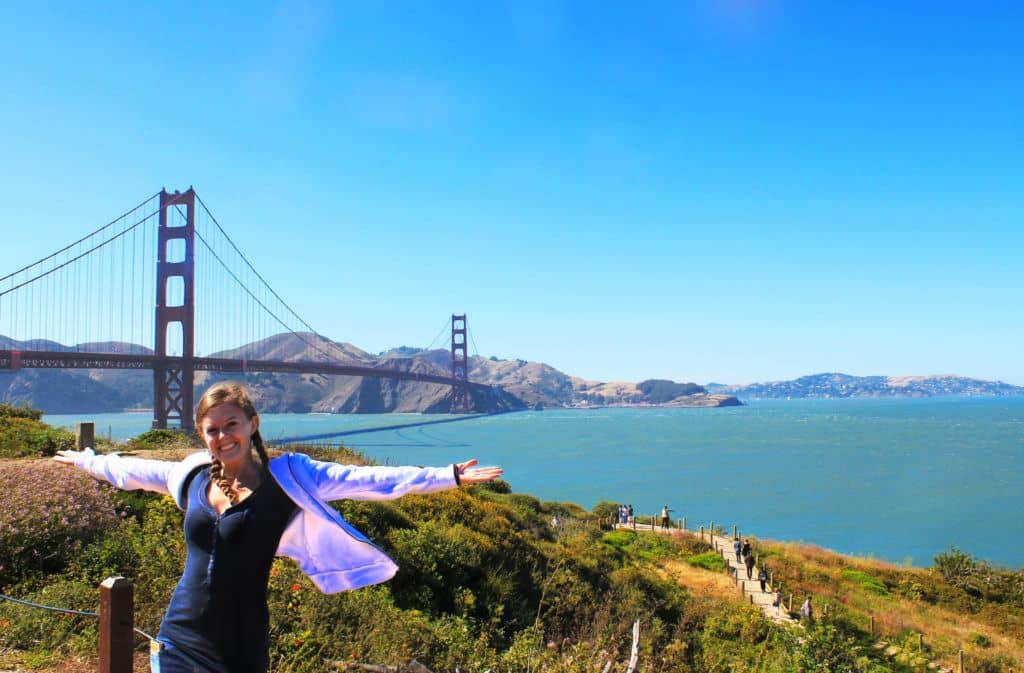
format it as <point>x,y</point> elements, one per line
<point>334,481</point>
<point>127,473</point>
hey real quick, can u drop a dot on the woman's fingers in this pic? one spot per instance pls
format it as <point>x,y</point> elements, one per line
<point>466,465</point>
<point>480,475</point>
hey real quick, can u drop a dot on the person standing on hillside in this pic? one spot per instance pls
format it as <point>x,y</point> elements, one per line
<point>664,517</point>
<point>748,560</point>
<point>242,509</point>
<point>807,611</point>
<point>762,577</point>
<point>746,548</point>
<point>737,547</point>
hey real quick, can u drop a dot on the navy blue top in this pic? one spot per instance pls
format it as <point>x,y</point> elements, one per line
<point>218,613</point>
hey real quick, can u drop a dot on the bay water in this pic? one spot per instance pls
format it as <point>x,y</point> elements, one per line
<point>899,479</point>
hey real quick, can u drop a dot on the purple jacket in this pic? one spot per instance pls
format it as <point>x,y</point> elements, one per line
<point>331,551</point>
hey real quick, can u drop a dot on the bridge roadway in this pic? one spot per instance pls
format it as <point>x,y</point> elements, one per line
<point>26,359</point>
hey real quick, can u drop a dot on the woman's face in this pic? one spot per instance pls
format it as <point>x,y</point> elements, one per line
<point>227,432</point>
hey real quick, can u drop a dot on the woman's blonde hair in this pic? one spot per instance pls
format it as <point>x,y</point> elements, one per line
<point>230,392</point>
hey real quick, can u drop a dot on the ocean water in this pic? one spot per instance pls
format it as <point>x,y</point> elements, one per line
<point>899,479</point>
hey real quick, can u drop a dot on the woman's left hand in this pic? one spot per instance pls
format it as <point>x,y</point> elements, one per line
<point>469,474</point>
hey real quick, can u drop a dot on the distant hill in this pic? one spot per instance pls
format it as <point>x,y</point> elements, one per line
<point>836,385</point>
<point>517,384</point>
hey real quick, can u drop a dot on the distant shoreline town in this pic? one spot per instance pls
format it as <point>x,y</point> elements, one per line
<point>522,384</point>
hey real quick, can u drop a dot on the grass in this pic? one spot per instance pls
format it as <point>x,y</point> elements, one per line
<point>865,581</point>
<point>709,561</point>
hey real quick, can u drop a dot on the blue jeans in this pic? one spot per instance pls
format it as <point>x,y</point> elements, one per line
<point>169,659</point>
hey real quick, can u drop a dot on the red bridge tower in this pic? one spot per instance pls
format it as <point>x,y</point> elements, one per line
<point>172,376</point>
<point>461,402</point>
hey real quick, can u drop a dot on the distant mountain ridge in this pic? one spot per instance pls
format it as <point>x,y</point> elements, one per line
<point>515,384</point>
<point>833,385</point>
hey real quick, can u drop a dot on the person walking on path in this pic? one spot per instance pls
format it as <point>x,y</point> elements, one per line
<point>777,601</point>
<point>807,611</point>
<point>762,577</point>
<point>746,549</point>
<point>737,547</point>
<point>629,516</point>
<point>664,516</point>
<point>241,510</point>
<point>748,560</point>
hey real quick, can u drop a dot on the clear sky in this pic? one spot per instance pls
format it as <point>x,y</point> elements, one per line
<point>700,190</point>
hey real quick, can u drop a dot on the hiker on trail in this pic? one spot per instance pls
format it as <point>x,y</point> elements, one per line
<point>242,509</point>
<point>777,601</point>
<point>736,547</point>
<point>629,515</point>
<point>807,610</point>
<point>748,560</point>
<point>664,516</point>
<point>746,549</point>
<point>555,522</point>
<point>762,577</point>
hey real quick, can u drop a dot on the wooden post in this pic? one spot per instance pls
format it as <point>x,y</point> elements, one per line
<point>751,599</point>
<point>712,527</point>
<point>702,533</point>
<point>871,625</point>
<point>734,530</point>
<point>116,622</point>
<point>920,642</point>
<point>961,659</point>
<point>684,523</point>
<point>791,602</point>
<point>85,436</point>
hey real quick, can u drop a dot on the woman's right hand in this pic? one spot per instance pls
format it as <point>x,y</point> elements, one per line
<point>70,457</point>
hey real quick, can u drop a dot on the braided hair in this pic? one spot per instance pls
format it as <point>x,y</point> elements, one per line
<point>230,392</point>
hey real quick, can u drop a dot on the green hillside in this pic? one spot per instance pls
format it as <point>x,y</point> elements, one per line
<point>485,583</point>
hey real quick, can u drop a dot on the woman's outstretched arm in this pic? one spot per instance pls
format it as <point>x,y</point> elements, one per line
<point>125,473</point>
<point>334,481</point>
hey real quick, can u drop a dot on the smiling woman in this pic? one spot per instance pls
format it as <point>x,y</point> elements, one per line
<point>240,511</point>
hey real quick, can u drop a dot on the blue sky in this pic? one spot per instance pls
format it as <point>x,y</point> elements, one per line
<point>710,191</point>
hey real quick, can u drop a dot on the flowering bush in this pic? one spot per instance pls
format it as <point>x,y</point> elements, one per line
<point>47,513</point>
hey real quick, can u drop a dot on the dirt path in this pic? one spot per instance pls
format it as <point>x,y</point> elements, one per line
<point>751,588</point>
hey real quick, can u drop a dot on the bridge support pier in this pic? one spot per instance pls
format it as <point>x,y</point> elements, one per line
<point>172,375</point>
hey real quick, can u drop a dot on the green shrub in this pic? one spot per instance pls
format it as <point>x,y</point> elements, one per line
<point>708,560</point>
<point>605,510</point>
<point>155,439</point>
<point>23,436</point>
<point>979,639</point>
<point>20,411</point>
<point>867,582</point>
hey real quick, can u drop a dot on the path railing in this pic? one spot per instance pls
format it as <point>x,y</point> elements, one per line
<point>722,543</point>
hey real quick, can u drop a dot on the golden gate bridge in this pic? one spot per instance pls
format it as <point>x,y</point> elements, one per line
<point>212,311</point>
